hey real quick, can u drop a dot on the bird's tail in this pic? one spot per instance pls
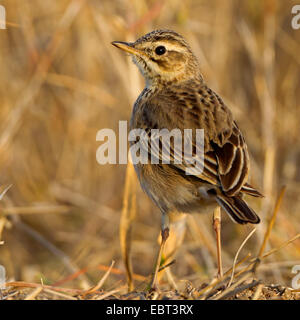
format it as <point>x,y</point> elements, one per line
<point>248,189</point>
<point>238,209</point>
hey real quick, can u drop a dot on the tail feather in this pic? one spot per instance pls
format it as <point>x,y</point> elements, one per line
<point>238,209</point>
<point>248,189</point>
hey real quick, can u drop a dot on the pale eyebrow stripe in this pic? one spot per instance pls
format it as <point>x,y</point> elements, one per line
<point>170,46</point>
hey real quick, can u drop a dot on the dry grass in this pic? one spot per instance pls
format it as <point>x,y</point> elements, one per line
<point>61,81</point>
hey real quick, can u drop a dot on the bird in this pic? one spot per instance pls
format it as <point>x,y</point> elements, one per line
<point>176,96</point>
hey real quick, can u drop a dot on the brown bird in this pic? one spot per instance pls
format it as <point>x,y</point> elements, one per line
<point>177,97</point>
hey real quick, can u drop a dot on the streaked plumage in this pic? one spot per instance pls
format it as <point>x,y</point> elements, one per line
<point>176,96</point>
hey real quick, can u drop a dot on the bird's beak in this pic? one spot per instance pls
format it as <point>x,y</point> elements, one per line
<point>127,47</point>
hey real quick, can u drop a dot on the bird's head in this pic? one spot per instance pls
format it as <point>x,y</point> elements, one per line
<point>162,56</point>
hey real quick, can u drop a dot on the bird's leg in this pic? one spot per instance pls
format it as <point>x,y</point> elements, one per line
<point>164,237</point>
<point>217,228</point>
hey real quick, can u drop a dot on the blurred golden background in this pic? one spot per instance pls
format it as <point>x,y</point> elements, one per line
<point>62,81</point>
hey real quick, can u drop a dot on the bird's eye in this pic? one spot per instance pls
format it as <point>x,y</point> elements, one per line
<point>160,50</point>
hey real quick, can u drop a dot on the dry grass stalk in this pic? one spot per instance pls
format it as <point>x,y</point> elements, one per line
<point>22,284</point>
<point>253,261</point>
<point>175,239</point>
<point>78,85</point>
<point>2,224</point>
<point>101,267</point>
<point>237,254</point>
<point>219,281</point>
<point>110,293</point>
<point>46,209</point>
<point>272,221</point>
<point>241,288</point>
<point>2,194</point>
<point>37,79</point>
<point>127,217</point>
<point>59,294</point>
<point>51,247</point>
<point>284,244</point>
<point>3,220</point>
<point>34,293</point>
<point>216,283</point>
<point>257,292</point>
<point>101,281</point>
<point>233,286</point>
<point>59,87</point>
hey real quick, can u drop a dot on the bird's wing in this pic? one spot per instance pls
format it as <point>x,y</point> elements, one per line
<point>225,157</point>
<point>232,162</point>
<point>226,165</point>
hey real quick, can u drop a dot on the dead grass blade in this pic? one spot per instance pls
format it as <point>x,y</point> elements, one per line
<point>110,293</point>
<point>34,293</point>
<point>254,260</point>
<point>284,244</point>
<point>272,221</point>
<point>37,79</point>
<point>218,281</point>
<point>240,288</point>
<point>60,294</point>
<point>2,224</point>
<point>46,209</point>
<point>237,254</point>
<point>51,247</point>
<point>101,267</point>
<point>230,289</point>
<point>101,281</point>
<point>2,194</point>
<point>128,215</point>
<point>78,85</point>
<point>23,284</point>
<point>258,291</point>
